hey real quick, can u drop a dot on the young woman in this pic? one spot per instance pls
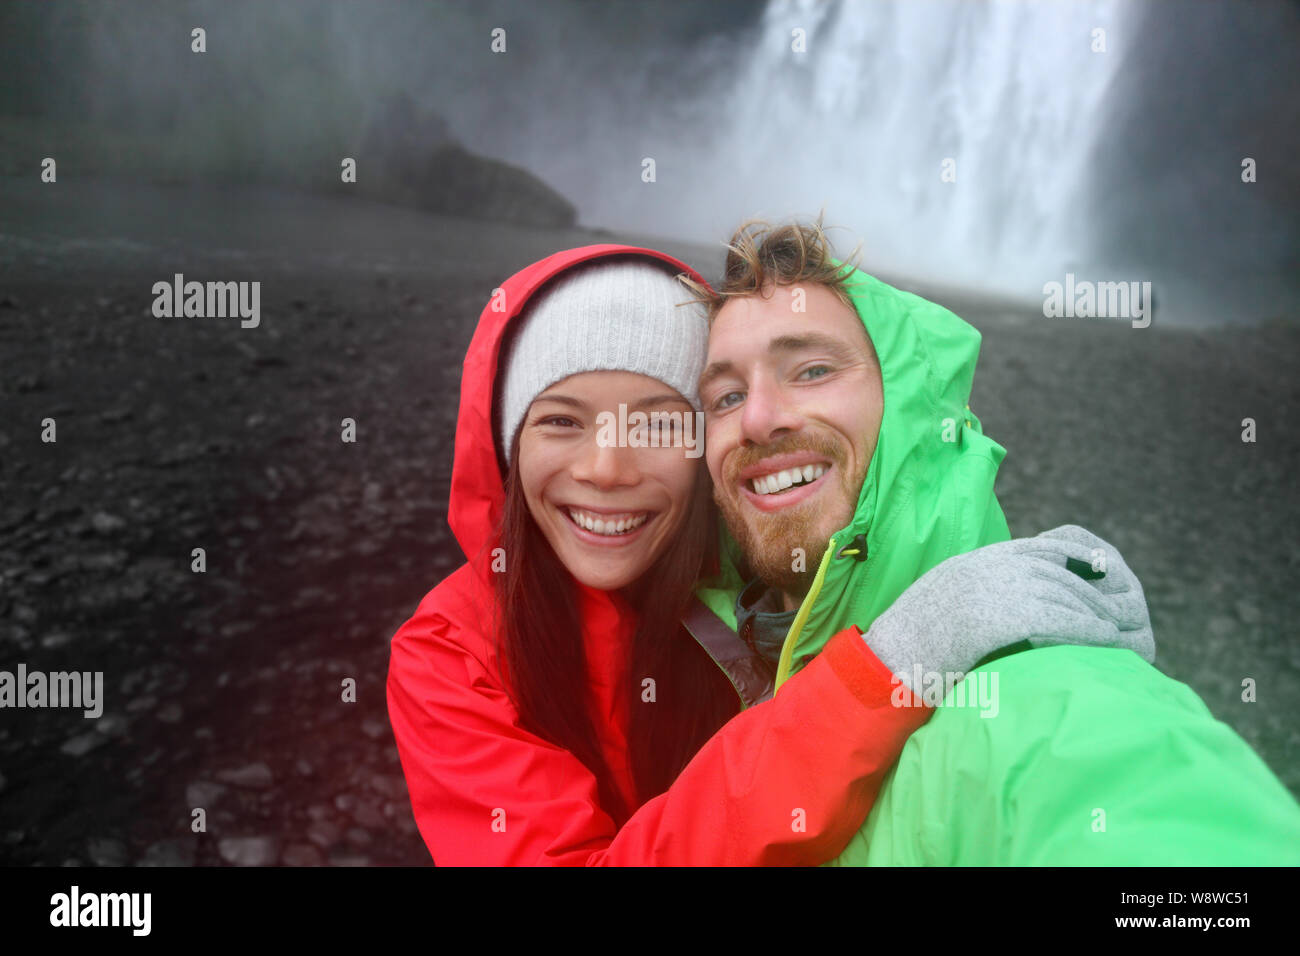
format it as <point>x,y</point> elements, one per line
<point>547,704</point>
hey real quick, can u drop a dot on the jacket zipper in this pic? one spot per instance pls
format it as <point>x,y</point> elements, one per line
<point>791,639</point>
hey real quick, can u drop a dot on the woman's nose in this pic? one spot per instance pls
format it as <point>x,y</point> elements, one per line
<point>606,465</point>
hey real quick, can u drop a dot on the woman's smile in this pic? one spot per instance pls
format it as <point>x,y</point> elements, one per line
<point>618,527</point>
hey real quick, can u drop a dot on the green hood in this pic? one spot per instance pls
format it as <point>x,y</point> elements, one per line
<point>928,493</point>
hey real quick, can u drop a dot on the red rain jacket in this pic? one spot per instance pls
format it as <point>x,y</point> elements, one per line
<point>788,781</point>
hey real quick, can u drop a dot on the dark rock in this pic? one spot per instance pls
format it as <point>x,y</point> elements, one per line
<point>343,857</point>
<point>369,815</point>
<point>169,853</point>
<point>324,834</point>
<point>203,793</point>
<point>414,161</point>
<point>181,453</point>
<point>106,851</point>
<point>55,640</point>
<point>105,523</point>
<point>387,786</point>
<point>301,854</point>
<point>112,725</point>
<point>256,776</point>
<point>1222,627</point>
<point>248,851</point>
<point>82,744</point>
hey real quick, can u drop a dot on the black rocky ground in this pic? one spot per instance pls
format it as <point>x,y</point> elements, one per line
<point>223,688</point>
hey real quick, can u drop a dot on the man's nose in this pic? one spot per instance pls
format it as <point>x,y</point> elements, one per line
<point>607,465</point>
<point>768,413</point>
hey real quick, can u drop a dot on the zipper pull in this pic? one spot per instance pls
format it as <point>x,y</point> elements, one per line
<point>856,549</point>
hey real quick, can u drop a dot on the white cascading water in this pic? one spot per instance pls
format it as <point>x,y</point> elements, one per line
<point>862,123</point>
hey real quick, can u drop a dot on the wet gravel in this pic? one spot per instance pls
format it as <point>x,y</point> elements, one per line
<point>224,689</point>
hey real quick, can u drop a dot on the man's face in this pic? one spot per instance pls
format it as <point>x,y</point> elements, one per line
<point>789,397</point>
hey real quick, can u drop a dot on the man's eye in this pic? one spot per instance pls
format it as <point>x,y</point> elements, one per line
<point>727,400</point>
<point>823,369</point>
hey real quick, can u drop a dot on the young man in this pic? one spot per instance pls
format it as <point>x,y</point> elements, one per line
<point>847,464</point>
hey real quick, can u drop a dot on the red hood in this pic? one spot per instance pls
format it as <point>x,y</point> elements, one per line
<point>477,488</point>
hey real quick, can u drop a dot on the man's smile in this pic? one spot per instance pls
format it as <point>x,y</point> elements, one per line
<point>782,481</point>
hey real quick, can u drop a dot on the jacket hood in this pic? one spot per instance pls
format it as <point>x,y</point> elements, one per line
<point>477,496</point>
<point>928,492</point>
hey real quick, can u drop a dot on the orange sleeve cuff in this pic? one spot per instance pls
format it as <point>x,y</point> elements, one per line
<point>863,673</point>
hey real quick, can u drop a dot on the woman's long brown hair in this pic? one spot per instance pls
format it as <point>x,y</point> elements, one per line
<point>541,646</point>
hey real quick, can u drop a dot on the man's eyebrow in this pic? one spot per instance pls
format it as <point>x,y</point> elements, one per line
<point>807,341</point>
<point>715,370</point>
<point>810,341</point>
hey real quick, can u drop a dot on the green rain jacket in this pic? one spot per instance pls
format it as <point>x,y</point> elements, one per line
<point>1092,756</point>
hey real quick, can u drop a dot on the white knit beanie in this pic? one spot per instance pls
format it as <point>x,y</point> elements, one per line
<point>625,315</point>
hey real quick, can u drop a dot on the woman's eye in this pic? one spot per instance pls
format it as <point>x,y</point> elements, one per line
<point>560,420</point>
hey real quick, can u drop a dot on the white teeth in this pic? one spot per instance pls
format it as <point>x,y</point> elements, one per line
<point>612,525</point>
<point>779,481</point>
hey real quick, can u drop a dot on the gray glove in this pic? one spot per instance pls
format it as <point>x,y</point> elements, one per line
<point>1001,594</point>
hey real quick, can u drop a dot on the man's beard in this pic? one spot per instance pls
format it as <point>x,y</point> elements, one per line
<point>768,541</point>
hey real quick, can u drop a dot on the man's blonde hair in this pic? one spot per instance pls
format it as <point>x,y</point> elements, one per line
<point>761,254</point>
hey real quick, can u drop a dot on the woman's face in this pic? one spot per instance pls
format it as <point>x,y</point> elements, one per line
<point>582,487</point>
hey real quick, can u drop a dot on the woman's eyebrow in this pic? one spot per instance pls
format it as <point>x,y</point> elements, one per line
<point>561,399</point>
<point>665,399</point>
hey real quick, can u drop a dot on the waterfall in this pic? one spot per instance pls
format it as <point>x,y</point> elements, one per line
<point>862,122</point>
